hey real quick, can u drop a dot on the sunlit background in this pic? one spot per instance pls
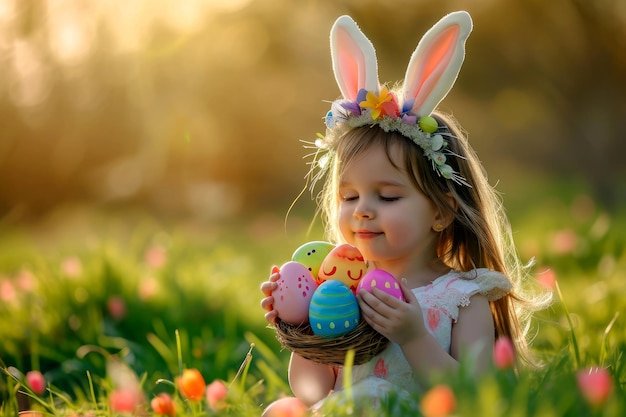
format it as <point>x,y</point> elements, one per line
<point>196,108</point>
<point>150,151</point>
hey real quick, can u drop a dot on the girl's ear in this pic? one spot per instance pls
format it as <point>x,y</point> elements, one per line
<point>436,62</point>
<point>445,215</point>
<point>353,57</point>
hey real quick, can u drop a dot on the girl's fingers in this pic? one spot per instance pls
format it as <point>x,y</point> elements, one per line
<point>267,303</point>
<point>270,285</point>
<point>377,301</point>
<point>267,287</point>
<point>271,316</point>
<point>408,294</point>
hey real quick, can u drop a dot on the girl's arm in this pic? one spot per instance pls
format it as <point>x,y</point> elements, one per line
<point>473,335</point>
<point>403,324</point>
<point>310,381</point>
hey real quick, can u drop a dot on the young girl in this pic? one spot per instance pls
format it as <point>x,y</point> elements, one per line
<point>404,186</point>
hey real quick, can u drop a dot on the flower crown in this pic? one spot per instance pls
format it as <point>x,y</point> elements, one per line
<point>431,73</point>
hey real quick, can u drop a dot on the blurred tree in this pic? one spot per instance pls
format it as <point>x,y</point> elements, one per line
<point>569,57</point>
<point>197,108</point>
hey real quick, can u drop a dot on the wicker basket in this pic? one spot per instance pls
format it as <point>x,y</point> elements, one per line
<point>365,341</point>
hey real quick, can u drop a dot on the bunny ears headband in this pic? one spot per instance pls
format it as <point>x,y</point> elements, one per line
<point>431,73</point>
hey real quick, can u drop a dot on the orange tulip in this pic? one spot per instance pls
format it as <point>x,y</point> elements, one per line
<point>164,405</point>
<point>439,401</point>
<point>191,384</point>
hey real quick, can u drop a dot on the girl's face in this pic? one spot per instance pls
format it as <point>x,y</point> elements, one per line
<point>382,213</point>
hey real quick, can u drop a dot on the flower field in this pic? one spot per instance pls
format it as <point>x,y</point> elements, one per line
<point>104,315</point>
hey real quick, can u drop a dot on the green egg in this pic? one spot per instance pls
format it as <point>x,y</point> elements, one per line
<point>312,254</point>
<point>428,124</point>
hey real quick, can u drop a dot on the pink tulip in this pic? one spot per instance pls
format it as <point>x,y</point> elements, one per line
<point>25,280</point>
<point>216,393</point>
<point>564,241</point>
<point>72,267</point>
<point>547,279</point>
<point>286,407</point>
<point>116,307</point>
<point>36,382</point>
<point>7,290</point>
<point>504,353</point>
<point>595,384</point>
<point>155,257</point>
<point>124,401</point>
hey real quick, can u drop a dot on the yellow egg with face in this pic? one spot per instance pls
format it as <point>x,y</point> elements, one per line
<point>344,263</point>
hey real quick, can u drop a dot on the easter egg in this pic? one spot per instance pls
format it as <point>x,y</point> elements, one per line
<point>428,124</point>
<point>293,294</point>
<point>344,263</point>
<point>384,281</point>
<point>311,255</point>
<point>334,309</point>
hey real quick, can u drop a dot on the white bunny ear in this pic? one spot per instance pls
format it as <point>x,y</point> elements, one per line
<point>436,62</point>
<point>354,58</point>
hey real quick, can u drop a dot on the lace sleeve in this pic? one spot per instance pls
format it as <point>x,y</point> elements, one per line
<point>493,285</point>
<point>456,289</point>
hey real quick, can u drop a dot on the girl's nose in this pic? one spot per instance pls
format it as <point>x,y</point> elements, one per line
<point>363,210</point>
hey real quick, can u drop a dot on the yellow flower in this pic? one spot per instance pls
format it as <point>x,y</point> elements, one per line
<point>383,104</point>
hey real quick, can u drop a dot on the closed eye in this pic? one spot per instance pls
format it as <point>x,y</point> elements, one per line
<point>389,199</point>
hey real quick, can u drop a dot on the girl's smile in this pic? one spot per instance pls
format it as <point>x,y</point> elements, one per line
<point>383,214</point>
<point>366,234</point>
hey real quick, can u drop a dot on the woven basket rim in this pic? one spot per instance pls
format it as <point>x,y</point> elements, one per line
<point>364,340</point>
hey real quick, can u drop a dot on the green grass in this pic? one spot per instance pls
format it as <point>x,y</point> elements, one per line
<point>200,309</point>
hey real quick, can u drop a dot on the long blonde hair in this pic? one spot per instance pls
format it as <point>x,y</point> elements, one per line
<point>479,235</point>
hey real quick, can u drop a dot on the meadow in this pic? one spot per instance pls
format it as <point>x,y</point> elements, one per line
<point>113,309</point>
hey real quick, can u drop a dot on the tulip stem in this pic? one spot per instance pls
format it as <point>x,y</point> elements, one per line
<point>179,352</point>
<point>571,326</point>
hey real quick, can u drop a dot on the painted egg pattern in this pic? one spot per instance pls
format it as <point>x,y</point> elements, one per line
<point>312,254</point>
<point>293,295</point>
<point>383,280</point>
<point>334,309</point>
<point>344,263</point>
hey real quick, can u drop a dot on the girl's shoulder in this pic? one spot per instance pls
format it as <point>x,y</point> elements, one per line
<point>492,284</point>
<point>453,290</point>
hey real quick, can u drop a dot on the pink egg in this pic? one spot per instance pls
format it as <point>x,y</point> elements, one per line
<point>344,263</point>
<point>293,295</point>
<point>384,281</point>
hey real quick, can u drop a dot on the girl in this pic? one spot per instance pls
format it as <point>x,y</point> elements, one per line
<point>405,187</point>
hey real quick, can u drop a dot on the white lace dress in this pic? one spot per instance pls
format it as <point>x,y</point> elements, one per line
<point>440,302</point>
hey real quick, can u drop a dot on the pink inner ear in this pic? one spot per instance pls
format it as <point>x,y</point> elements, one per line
<point>351,64</point>
<point>437,58</point>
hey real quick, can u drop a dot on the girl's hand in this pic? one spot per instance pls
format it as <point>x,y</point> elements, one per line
<point>267,303</point>
<point>398,321</point>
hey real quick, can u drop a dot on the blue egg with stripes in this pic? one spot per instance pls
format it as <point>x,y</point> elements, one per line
<point>334,309</point>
